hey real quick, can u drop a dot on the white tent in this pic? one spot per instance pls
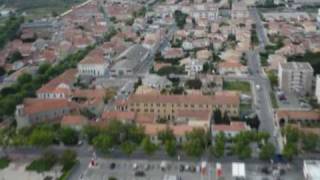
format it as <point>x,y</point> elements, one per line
<point>238,170</point>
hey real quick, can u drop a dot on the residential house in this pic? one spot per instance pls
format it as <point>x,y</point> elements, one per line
<point>76,122</point>
<point>230,130</point>
<point>33,111</point>
<point>94,64</point>
<point>156,81</point>
<point>231,67</point>
<point>59,87</point>
<point>173,53</point>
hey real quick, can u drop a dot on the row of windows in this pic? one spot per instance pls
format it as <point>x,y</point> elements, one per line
<point>184,105</point>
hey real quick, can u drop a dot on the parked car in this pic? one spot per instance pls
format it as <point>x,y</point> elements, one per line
<point>112,165</point>
<point>139,174</point>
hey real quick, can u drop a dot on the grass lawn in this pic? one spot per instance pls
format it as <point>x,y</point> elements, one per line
<point>4,162</point>
<point>237,86</point>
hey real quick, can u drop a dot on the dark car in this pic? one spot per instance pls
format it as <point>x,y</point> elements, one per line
<point>112,165</point>
<point>139,174</point>
<point>181,168</point>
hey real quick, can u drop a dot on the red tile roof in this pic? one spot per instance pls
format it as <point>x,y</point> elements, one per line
<point>234,126</point>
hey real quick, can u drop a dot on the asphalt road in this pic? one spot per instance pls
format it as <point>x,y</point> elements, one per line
<point>263,105</point>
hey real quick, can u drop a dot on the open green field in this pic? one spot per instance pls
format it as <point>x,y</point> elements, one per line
<point>244,87</point>
<point>40,8</point>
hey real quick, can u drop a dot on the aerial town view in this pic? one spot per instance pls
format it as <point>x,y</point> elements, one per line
<point>159,89</point>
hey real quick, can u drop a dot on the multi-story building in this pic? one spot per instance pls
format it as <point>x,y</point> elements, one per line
<point>168,106</point>
<point>94,64</point>
<point>296,78</point>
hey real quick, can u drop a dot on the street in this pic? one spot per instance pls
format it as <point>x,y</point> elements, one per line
<point>262,99</point>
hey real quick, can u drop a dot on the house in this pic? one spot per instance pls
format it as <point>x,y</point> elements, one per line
<point>204,54</point>
<point>230,130</point>
<point>231,67</point>
<point>192,66</point>
<point>33,111</point>
<point>94,64</point>
<point>89,99</point>
<point>179,131</point>
<point>76,122</point>
<point>173,53</point>
<point>199,118</point>
<point>155,81</point>
<point>275,60</point>
<point>59,87</point>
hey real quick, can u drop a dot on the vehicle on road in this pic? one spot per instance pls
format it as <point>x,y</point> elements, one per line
<point>139,174</point>
<point>258,87</point>
<point>112,165</point>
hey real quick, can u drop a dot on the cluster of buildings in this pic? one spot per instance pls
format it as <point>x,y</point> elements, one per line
<point>78,96</point>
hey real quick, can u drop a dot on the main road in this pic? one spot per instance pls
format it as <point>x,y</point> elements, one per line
<point>262,87</point>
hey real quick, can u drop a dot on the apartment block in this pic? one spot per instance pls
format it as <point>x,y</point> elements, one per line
<point>168,106</point>
<point>296,78</point>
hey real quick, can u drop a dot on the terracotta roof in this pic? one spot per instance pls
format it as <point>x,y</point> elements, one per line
<point>33,106</point>
<point>234,126</point>
<point>300,115</point>
<point>67,77</point>
<point>199,114</point>
<point>230,64</point>
<point>178,130</point>
<point>118,115</point>
<point>185,99</point>
<point>74,120</point>
<point>94,57</point>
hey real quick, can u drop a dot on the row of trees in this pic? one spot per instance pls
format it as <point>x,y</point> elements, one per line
<point>130,137</point>
<point>41,135</point>
<point>297,141</point>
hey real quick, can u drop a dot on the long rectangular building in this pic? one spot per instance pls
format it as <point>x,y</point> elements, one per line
<point>168,106</point>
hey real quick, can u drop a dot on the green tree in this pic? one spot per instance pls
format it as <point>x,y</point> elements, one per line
<point>69,136</point>
<point>217,116</point>
<point>180,18</point>
<point>218,148</point>
<point>273,79</point>
<point>24,78</point>
<point>103,143</point>
<point>166,135</point>
<point>15,56</point>
<point>68,159</point>
<point>128,147</point>
<point>197,141</point>
<point>41,137</point>
<point>194,84</point>
<point>226,118</point>
<point>267,151</point>
<point>171,147</point>
<point>91,132</point>
<point>147,146</point>
<point>290,150</point>
<point>310,142</point>
<point>292,134</point>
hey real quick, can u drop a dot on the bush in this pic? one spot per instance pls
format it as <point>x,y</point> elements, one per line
<point>4,162</point>
<point>45,163</point>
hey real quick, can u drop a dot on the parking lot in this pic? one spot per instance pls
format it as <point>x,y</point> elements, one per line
<point>289,101</point>
<point>154,170</point>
